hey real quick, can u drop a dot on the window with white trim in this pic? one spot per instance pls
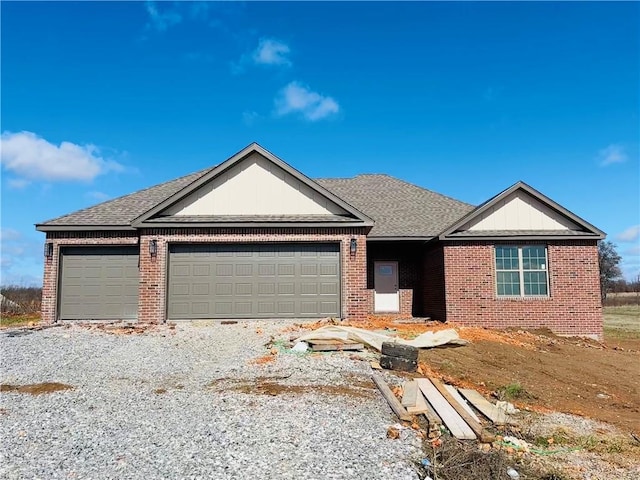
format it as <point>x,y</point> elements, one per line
<point>521,271</point>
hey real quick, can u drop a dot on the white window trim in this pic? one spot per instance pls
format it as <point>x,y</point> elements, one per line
<point>521,271</point>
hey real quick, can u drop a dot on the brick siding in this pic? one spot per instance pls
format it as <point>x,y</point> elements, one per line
<point>153,269</point>
<point>573,306</point>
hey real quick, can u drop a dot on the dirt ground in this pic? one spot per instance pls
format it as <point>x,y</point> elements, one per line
<point>566,375</point>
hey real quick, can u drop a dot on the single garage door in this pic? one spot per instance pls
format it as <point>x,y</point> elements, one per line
<point>254,281</point>
<point>99,283</point>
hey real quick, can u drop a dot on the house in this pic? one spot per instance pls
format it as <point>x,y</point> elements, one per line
<point>255,238</point>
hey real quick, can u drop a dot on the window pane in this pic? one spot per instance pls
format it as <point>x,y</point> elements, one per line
<point>535,283</point>
<point>508,283</point>
<point>534,258</point>
<point>507,258</point>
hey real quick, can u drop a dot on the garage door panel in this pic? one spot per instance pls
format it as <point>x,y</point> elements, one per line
<point>98,283</point>
<point>302,280</point>
<point>224,289</point>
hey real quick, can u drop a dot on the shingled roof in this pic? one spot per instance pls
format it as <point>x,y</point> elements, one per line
<point>398,208</point>
<point>121,211</point>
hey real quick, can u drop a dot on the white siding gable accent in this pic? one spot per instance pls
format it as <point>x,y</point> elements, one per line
<point>255,186</point>
<point>520,211</point>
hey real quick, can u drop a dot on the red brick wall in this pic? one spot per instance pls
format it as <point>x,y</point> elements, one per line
<point>153,270</point>
<point>433,283</point>
<point>573,306</point>
<point>51,264</point>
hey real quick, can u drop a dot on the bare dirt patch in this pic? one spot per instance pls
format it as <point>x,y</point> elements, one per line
<point>270,386</point>
<point>36,388</point>
<point>553,373</point>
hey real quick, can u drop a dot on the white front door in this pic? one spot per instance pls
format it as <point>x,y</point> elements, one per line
<point>386,294</point>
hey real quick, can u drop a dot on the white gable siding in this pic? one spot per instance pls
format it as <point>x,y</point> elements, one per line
<point>255,186</point>
<point>520,211</point>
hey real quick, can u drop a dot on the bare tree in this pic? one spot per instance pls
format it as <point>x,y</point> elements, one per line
<point>609,261</point>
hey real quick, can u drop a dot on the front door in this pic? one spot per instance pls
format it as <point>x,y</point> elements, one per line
<point>386,294</point>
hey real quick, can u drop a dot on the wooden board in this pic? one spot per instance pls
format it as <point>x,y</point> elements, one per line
<point>454,393</point>
<point>391,399</point>
<point>330,341</point>
<point>420,406</point>
<point>475,425</point>
<point>334,347</point>
<point>447,413</point>
<point>493,413</point>
<point>410,394</point>
<point>432,417</point>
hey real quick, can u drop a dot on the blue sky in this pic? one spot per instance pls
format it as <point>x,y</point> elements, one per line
<point>102,99</point>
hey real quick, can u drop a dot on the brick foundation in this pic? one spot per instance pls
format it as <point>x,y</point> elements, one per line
<point>573,306</point>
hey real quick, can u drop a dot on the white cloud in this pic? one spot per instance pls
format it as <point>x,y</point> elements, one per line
<point>33,158</point>
<point>271,52</point>
<point>18,183</point>
<point>249,117</point>
<point>160,21</point>
<point>614,153</point>
<point>298,99</point>
<point>631,234</point>
<point>8,234</point>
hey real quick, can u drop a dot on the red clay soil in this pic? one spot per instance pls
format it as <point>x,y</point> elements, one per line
<point>562,374</point>
<point>570,375</point>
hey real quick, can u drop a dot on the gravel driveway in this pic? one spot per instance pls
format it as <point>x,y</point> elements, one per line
<point>190,403</point>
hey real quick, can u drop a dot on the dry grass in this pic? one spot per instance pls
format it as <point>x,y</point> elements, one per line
<point>622,321</point>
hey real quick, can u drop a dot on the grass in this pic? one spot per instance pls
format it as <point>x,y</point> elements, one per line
<point>622,321</point>
<point>512,391</point>
<point>18,320</point>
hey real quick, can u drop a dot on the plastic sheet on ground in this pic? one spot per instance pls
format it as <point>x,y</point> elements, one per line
<point>374,339</point>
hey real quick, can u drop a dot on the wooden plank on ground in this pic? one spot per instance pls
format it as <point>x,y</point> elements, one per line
<point>331,347</point>
<point>493,413</point>
<point>454,393</point>
<point>391,399</point>
<point>329,341</point>
<point>421,405</point>
<point>447,413</point>
<point>410,394</point>
<point>475,425</point>
<point>432,416</point>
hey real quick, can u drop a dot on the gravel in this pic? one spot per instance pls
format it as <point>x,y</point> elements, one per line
<point>189,402</point>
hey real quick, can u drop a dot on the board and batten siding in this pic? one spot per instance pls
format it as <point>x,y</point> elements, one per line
<point>255,186</point>
<point>520,211</point>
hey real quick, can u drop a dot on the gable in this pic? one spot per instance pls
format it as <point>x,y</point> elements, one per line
<point>519,211</point>
<point>254,186</point>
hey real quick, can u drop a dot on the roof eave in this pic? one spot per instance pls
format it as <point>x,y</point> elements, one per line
<point>82,228</point>
<point>398,238</point>
<point>147,225</point>
<point>472,238</point>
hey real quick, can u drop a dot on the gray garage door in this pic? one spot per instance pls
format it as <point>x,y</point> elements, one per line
<point>254,281</point>
<point>99,283</point>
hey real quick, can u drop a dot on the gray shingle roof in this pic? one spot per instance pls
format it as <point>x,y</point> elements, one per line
<point>122,210</point>
<point>400,209</point>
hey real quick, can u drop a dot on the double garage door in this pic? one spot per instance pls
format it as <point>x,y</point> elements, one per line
<point>253,281</point>
<point>205,281</point>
